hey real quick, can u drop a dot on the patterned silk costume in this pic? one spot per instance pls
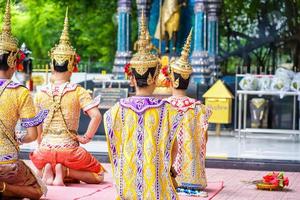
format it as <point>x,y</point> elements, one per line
<point>190,160</point>
<point>59,144</point>
<point>140,133</point>
<point>16,103</point>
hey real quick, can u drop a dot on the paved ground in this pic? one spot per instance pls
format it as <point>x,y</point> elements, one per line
<point>237,185</point>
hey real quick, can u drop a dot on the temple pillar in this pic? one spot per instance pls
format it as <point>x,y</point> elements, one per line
<point>213,12</point>
<point>199,58</point>
<point>123,54</point>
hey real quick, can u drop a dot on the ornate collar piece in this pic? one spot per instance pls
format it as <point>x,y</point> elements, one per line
<point>11,85</point>
<point>141,104</point>
<point>56,89</point>
<point>183,103</point>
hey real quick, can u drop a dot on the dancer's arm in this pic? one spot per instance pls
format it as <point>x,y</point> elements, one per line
<point>174,151</point>
<point>96,118</point>
<point>27,136</point>
<point>39,132</point>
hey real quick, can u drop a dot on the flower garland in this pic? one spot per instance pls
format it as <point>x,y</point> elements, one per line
<point>165,71</point>
<point>277,179</point>
<point>19,61</point>
<point>77,60</point>
<point>273,181</point>
<point>127,70</point>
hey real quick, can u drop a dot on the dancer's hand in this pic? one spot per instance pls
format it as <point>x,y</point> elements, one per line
<point>20,135</point>
<point>83,139</point>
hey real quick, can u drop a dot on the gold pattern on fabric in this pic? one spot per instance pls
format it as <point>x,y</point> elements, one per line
<point>121,137</point>
<point>60,133</point>
<point>193,138</point>
<point>18,173</point>
<point>15,103</point>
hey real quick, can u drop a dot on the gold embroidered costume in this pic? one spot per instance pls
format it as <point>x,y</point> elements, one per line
<point>59,143</point>
<point>16,104</point>
<point>192,137</point>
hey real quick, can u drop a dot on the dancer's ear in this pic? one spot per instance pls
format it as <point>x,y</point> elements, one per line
<point>132,81</point>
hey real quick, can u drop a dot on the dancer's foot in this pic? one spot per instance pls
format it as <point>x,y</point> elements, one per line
<point>59,175</point>
<point>48,175</point>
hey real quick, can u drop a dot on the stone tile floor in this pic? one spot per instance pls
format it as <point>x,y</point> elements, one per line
<point>238,186</point>
<point>237,183</point>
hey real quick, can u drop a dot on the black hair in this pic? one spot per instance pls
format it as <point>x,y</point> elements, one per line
<point>60,67</point>
<point>183,83</point>
<point>141,81</point>
<point>3,61</point>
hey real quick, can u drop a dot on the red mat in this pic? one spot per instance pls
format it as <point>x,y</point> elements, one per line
<point>107,191</point>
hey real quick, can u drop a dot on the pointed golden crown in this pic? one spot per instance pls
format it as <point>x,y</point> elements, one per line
<point>7,41</point>
<point>182,65</point>
<point>64,50</point>
<point>144,59</point>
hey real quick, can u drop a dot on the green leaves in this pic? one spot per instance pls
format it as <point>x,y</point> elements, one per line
<point>39,24</point>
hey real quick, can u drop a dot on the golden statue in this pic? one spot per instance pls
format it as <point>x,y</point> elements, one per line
<point>169,20</point>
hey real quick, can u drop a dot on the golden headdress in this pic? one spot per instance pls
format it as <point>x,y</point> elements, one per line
<point>64,51</point>
<point>8,43</point>
<point>182,66</point>
<point>143,60</point>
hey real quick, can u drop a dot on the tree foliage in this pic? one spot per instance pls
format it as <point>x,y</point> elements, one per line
<point>260,32</point>
<point>39,23</point>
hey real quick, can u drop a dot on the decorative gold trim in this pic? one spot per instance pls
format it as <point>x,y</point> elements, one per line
<point>8,162</point>
<point>185,76</point>
<point>12,59</point>
<point>141,70</point>
<point>144,59</point>
<point>8,43</point>
<point>176,83</point>
<point>182,66</point>
<point>64,51</point>
<point>150,80</point>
